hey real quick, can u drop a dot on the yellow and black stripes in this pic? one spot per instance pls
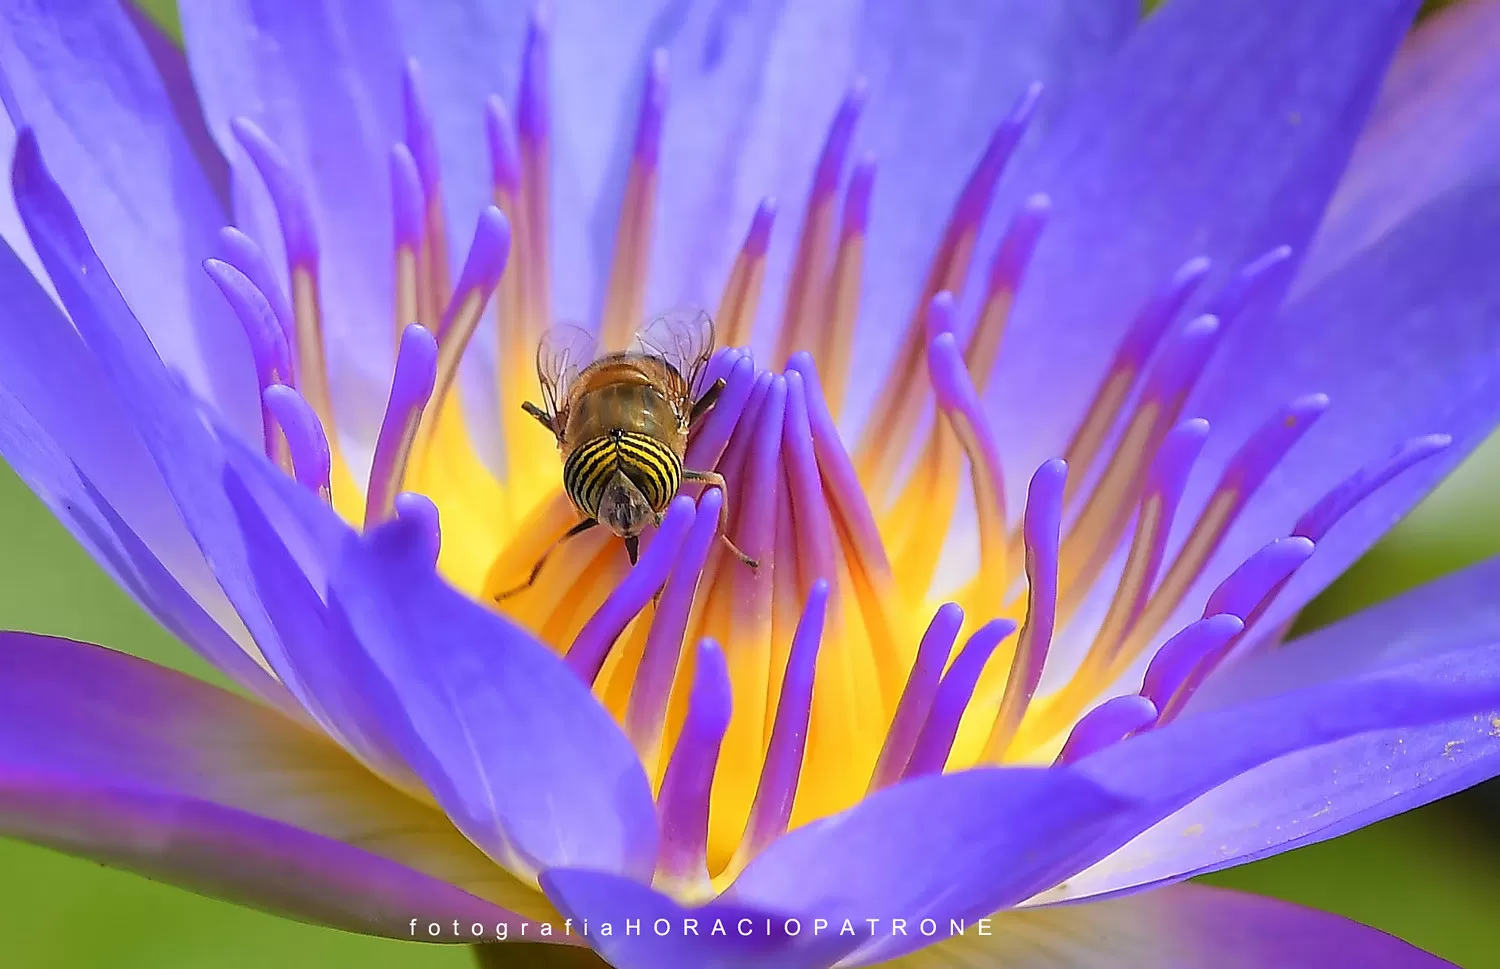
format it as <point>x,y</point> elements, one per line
<point>650,465</point>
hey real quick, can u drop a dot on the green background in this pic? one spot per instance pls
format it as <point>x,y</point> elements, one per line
<point>1431,876</point>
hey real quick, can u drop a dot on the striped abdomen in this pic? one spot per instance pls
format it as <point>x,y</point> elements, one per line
<point>651,466</point>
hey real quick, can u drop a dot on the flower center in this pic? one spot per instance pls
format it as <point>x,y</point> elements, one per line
<point>762,699</point>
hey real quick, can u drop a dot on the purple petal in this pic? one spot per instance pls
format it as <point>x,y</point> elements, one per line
<point>323,81</point>
<point>80,76</point>
<point>515,748</point>
<point>67,415</point>
<point>1278,768</point>
<point>725,935</point>
<point>1402,340</point>
<point>119,760</point>
<point>1182,927</point>
<point>948,846</point>
<point>1137,168</point>
<point>1436,123</point>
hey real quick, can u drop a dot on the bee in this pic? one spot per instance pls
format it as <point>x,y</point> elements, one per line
<point>622,422</point>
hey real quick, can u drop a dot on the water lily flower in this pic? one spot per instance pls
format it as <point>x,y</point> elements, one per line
<point>1080,353</point>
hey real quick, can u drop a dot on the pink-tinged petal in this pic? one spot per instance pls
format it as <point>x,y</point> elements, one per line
<point>79,75</point>
<point>1182,927</point>
<point>115,758</point>
<point>1402,340</point>
<point>1137,167</point>
<point>322,80</point>
<point>510,741</point>
<point>1226,785</point>
<point>721,934</point>
<point>1436,124</point>
<point>946,846</point>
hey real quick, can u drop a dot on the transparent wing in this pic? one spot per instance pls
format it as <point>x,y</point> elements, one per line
<point>683,338</point>
<point>561,356</point>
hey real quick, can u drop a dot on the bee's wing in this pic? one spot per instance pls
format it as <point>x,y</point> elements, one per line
<point>561,356</point>
<point>683,338</point>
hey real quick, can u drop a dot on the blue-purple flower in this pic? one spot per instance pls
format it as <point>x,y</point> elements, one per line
<point>1080,353</point>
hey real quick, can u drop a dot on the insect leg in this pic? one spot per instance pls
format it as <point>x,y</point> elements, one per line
<point>716,480</point>
<point>706,402</point>
<point>539,414</point>
<point>536,569</point>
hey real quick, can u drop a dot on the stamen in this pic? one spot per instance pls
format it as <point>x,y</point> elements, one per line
<point>1245,594</point>
<point>1243,475</point>
<point>959,401</point>
<point>592,645</point>
<point>683,807</point>
<point>1137,347</point>
<point>1109,723</point>
<point>423,146</point>
<point>1164,485</point>
<point>532,123</point>
<point>771,812</point>
<point>930,753</point>
<point>706,449</point>
<point>888,433</point>
<point>646,714</point>
<point>624,303</point>
<point>312,462</point>
<point>267,345</point>
<point>1007,268</point>
<point>1041,529</point>
<point>805,299</point>
<point>241,252</point>
<point>411,388</point>
<point>423,514</point>
<point>1342,499</point>
<point>1172,668</point>
<point>301,241</point>
<point>741,299</point>
<point>1093,537</point>
<point>481,274</point>
<point>407,207</point>
<point>836,344</point>
<point>916,700</point>
<point>916,525</point>
<point>1247,284</point>
<point>869,569</point>
<point>816,550</point>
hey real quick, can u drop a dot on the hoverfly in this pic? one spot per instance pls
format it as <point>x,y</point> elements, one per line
<point>622,422</point>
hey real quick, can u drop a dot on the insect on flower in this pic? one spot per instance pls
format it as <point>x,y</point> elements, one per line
<point>622,422</point>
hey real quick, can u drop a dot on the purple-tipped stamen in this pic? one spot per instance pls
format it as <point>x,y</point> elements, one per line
<point>268,347</point>
<point>1041,530</point>
<point>1338,502</point>
<point>1173,673</point>
<point>1112,721</point>
<point>241,252</point>
<point>817,547</point>
<point>771,812</point>
<point>1007,268</point>
<point>312,461</point>
<point>420,510</point>
<point>805,289</point>
<point>408,206</point>
<point>411,388</point>
<point>930,752</point>
<point>682,807</point>
<point>646,714</point>
<point>597,637</point>
<point>1249,283</point>
<point>916,699</point>
<point>505,154</point>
